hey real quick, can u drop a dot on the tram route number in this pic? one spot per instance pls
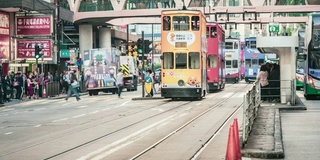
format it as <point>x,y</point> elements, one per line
<point>181,45</point>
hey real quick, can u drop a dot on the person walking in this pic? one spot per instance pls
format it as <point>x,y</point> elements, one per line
<point>119,82</point>
<point>73,86</point>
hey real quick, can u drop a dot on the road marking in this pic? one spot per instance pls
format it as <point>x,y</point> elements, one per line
<point>105,109</point>
<point>39,125</point>
<point>9,109</point>
<point>198,104</point>
<point>66,104</point>
<point>8,133</point>
<point>39,109</point>
<point>157,109</point>
<point>59,120</point>
<point>124,103</point>
<point>227,95</point>
<point>79,116</point>
<point>82,106</point>
<point>97,111</point>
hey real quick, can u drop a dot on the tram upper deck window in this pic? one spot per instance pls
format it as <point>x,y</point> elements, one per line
<point>251,44</point>
<point>212,61</point>
<point>229,45</point>
<point>195,23</point>
<point>168,60</point>
<point>235,45</point>
<point>208,32</point>
<point>181,23</point>
<point>166,23</point>
<point>213,32</point>
<point>194,60</point>
<point>181,60</point>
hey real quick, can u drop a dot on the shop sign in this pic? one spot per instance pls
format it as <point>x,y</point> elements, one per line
<point>25,48</point>
<point>40,25</point>
<point>4,35</point>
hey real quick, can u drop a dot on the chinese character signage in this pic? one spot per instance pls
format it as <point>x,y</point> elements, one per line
<point>25,48</point>
<point>4,36</point>
<point>40,25</point>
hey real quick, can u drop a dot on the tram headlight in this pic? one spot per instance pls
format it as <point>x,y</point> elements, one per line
<point>310,80</point>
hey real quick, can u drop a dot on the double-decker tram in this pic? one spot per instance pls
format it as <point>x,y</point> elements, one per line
<point>215,57</point>
<point>242,60</point>
<point>312,72</point>
<point>232,60</point>
<point>183,47</point>
<point>253,59</point>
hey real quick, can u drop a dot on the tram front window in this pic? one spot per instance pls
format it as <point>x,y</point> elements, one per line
<point>194,60</point>
<point>228,64</point>
<point>181,60</point>
<point>234,64</point>
<point>181,23</point>
<point>168,60</point>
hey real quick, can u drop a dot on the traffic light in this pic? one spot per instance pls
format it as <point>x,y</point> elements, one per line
<point>140,46</point>
<point>147,46</point>
<point>37,51</point>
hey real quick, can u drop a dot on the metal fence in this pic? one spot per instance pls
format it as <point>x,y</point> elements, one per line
<point>252,101</point>
<point>54,88</point>
<point>278,91</point>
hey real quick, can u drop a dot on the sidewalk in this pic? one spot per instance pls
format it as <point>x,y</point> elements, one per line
<point>265,140</point>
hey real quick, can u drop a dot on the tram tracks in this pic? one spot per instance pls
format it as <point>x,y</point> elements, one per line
<point>198,152</point>
<point>177,105</point>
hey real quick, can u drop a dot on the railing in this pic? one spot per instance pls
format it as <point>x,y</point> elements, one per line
<point>277,91</point>
<point>53,89</point>
<point>252,101</point>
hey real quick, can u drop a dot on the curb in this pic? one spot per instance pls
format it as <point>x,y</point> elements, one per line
<point>278,151</point>
<point>147,98</point>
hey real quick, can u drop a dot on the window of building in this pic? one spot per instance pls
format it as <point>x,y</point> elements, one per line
<point>195,23</point>
<point>181,23</point>
<point>212,61</point>
<point>181,60</point>
<point>168,60</point>
<point>194,60</point>
<point>166,23</point>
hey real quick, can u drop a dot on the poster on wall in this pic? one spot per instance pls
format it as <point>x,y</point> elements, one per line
<point>40,25</point>
<point>4,36</point>
<point>25,48</point>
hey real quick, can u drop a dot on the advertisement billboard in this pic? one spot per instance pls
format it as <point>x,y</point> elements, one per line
<point>25,48</point>
<point>39,25</point>
<point>4,36</point>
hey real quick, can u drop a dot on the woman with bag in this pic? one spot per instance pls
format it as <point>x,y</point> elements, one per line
<point>73,86</point>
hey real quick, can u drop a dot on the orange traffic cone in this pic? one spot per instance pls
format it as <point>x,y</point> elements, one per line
<point>231,148</point>
<point>44,94</point>
<point>237,139</point>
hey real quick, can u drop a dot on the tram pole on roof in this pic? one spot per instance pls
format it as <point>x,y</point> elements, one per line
<point>184,6</point>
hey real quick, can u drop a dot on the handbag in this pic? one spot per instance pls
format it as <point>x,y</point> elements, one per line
<point>75,84</point>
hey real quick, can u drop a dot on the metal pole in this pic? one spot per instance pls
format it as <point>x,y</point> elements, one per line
<point>152,50</point>
<point>127,37</point>
<point>37,80</point>
<point>143,50</point>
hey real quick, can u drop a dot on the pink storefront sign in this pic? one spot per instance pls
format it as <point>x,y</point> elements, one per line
<point>40,25</point>
<point>25,48</point>
<point>4,36</point>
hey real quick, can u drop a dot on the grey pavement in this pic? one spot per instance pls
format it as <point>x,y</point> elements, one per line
<point>284,132</point>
